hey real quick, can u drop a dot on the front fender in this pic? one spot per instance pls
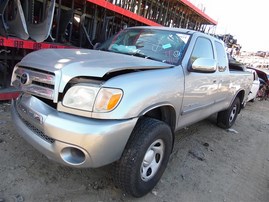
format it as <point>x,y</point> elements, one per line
<point>145,90</point>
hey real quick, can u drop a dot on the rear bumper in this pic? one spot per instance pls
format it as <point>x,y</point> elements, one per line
<point>68,139</point>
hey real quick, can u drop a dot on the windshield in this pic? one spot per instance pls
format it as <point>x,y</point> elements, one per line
<point>159,45</point>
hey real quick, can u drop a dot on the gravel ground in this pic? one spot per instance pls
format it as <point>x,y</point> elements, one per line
<point>207,164</point>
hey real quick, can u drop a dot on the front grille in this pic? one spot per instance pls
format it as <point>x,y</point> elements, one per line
<point>43,84</point>
<point>34,81</point>
<point>36,131</point>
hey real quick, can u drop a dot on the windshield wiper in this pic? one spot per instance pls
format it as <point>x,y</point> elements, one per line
<point>139,54</point>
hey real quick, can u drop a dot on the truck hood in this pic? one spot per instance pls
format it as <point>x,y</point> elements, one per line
<point>83,62</point>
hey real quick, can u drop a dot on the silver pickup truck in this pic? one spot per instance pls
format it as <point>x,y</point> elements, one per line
<point>124,102</point>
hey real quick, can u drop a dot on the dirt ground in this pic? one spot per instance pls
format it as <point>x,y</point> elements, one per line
<point>207,164</point>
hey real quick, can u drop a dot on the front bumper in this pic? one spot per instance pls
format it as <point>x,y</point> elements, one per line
<point>68,139</point>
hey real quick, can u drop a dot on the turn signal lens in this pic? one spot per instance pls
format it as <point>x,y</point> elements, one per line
<point>107,99</point>
<point>113,101</point>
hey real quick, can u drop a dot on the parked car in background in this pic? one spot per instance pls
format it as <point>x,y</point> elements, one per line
<point>263,74</point>
<point>255,86</point>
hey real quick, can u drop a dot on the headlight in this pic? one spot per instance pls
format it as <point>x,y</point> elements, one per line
<point>81,97</point>
<point>91,98</point>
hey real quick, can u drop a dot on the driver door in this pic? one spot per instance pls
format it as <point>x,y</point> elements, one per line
<point>201,89</point>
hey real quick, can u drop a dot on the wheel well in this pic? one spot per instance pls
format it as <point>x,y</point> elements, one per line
<point>241,95</point>
<point>166,114</point>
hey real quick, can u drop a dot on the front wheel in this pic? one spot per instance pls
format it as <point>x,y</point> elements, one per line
<point>145,157</point>
<point>227,117</point>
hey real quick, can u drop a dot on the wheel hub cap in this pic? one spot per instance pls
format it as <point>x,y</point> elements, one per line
<point>152,160</point>
<point>233,113</point>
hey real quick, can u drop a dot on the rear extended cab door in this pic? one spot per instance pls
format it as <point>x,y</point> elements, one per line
<point>222,98</point>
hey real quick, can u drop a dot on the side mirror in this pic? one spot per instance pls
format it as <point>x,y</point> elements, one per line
<point>204,65</point>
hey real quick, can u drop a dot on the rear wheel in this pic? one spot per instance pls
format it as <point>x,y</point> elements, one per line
<point>144,158</point>
<point>227,117</point>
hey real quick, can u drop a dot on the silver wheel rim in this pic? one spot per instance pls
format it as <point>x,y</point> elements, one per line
<point>233,113</point>
<point>152,160</point>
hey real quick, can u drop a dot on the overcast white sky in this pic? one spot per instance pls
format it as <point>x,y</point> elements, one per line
<point>246,20</point>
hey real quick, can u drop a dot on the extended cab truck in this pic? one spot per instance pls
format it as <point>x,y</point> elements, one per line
<point>124,102</point>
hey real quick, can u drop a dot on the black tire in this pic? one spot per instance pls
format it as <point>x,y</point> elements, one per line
<point>227,117</point>
<point>244,105</point>
<point>151,139</point>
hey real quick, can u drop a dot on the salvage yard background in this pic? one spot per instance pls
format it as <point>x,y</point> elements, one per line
<point>207,164</point>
